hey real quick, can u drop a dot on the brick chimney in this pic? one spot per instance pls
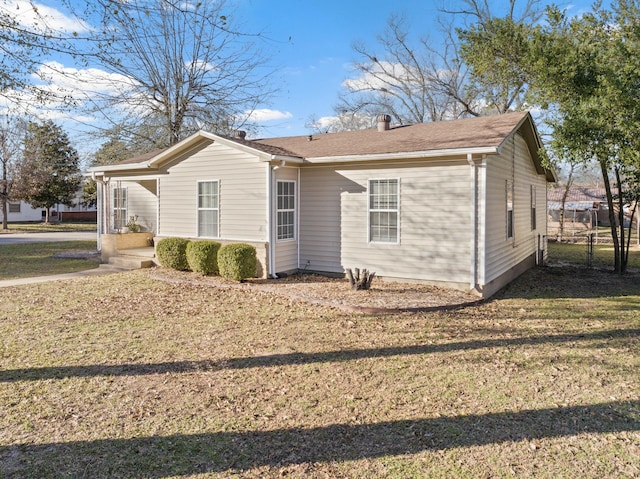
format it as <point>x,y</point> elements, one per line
<point>384,122</point>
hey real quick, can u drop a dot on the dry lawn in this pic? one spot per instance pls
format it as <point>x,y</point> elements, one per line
<point>135,376</point>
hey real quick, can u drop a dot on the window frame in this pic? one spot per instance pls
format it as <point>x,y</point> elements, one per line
<point>14,207</point>
<point>117,206</point>
<point>215,209</point>
<point>509,210</point>
<point>395,211</point>
<point>290,234</point>
<point>534,224</point>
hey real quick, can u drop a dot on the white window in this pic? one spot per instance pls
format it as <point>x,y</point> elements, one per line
<point>509,207</point>
<point>119,208</point>
<point>209,209</point>
<point>384,204</point>
<point>533,207</point>
<point>14,207</point>
<point>286,210</point>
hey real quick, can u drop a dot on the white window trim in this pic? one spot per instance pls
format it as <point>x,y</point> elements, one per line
<point>534,208</point>
<point>397,210</point>
<point>294,211</point>
<point>198,209</point>
<point>509,233</point>
<point>123,218</point>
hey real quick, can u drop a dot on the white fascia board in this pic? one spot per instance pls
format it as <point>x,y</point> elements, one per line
<point>196,137</point>
<point>102,170</point>
<point>182,146</point>
<point>404,156</point>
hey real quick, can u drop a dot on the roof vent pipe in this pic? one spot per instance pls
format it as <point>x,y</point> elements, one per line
<point>383,122</point>
<point>240,134</point>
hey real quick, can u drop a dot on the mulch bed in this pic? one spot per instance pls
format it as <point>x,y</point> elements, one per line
<point>383,297</point>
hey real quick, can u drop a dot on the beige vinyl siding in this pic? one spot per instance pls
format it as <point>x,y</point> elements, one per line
<point>242,193</point>
<point>502,254</point>
<point>142,202</point>
<point>434,221</point>
<point>286,251</point>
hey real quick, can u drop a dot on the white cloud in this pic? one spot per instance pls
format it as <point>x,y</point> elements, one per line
<point>82,83</point>
<point>266,114</point>
<point>40,17</point>
<point>382,75</point>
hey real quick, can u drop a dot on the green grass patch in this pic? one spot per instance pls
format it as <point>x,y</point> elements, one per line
<point>37,259</point>
<point>602,258</point>
<point>126,376</point>
<point>37,227</point>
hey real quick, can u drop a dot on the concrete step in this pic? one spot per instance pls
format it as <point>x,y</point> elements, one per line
<point>141,252</point>
<point>131,262</point>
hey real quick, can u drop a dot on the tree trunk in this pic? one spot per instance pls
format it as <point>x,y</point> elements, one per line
<point>612,218</point>
<point>565,193</point>
<point>4,208</point>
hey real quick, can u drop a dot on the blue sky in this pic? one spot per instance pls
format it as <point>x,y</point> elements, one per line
<point>309,43</point>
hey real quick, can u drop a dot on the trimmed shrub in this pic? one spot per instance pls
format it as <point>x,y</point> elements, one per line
<point>172,253</point>
<point>202,256</point>
<point>237,261</point>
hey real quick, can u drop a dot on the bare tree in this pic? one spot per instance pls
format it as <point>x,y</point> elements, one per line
<point>493,48</point>
<point>10,137</point>
<point>175,66</point>
<point>412,83</point>
<point>343,121</point>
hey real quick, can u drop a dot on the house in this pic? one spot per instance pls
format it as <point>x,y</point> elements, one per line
<point>20,211</point>
<point>459,204</point>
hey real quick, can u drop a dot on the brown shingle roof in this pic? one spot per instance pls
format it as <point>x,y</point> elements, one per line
<point>489,131</point>
<point>141,158</point>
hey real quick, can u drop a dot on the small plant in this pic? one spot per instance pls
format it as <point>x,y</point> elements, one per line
<point>237,261</point>
<point>132,225</point>
<point>360,282</point>
<point>202,256</point>
<point>172,253</point>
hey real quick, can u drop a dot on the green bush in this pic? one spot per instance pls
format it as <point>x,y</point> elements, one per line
<point>172,253</point>
<point>237,261</point>
<point>202,256</point>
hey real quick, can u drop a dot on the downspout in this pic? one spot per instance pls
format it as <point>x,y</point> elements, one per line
<point>474,222</point>
<point>99,209</point>
<point>298,205</point>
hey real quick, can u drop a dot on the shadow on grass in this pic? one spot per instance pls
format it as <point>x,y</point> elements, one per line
<point>568,281</point>
<point>291,359</point>
<point>183,454</point>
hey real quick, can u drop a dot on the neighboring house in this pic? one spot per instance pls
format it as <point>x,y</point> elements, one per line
<point>583,204</point>
<point>21,211</point>
<point>458,204</point>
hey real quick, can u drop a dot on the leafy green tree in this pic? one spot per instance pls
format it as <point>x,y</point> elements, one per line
<point>48,173</point>
<point>588,70</point>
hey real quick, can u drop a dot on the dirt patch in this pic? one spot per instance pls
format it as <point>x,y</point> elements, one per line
<point>383,297</point>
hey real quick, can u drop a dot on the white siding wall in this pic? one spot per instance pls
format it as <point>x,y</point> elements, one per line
<point>502,254</point>
<point>27,213</point>
<point>434,221</point>
<point>286,251</point>
<point>242,193</point>
<point>142,201</point>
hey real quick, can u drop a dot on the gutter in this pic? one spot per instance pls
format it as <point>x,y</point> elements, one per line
<point>405,156</point>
